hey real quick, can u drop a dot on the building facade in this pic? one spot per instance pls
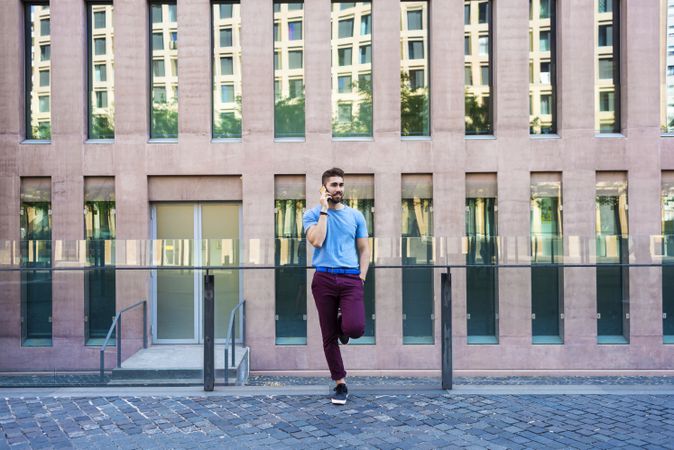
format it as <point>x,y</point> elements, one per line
<point>548,143</point>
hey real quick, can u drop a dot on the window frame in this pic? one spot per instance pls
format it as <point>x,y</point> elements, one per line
<point>552,61</point>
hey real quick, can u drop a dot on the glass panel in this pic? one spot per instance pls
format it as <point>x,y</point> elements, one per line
<point>99,283</point>
<point>175,288</point>
<point>289,72</point>
<point>668,261</point>
<point>101,81</point>
<point>417,249</point>
<point>164,37</point>
<point>38,95</point>
<point>359,194</point>
<point>481,282</point>
<point>542,29</point>
<point>227,45</point>
<point>220,232</point>
<point>290,254</point>
<point>547,281</point>
<point>414,84</point>
<point>607,78</point>
<point>36,252</point>
<point>351,111</point>
<point>668,48</point>
<point>612,241</point>
<point>478,58</point>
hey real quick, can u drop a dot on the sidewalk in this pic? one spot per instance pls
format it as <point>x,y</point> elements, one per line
<point>382,412</point>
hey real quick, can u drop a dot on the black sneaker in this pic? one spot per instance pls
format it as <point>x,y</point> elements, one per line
<point>343,338</point>
<point>340,395</point>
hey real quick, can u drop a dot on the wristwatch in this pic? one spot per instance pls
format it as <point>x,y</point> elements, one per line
<point>324,211</point>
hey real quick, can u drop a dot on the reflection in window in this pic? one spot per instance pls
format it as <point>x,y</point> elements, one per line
<point>607,56</point>
<point>289,71</point>
<point>417,248</point>
<point>414,65</point>
<point>164,111</point>
<point>36,286</point>
<point>101,80</point>
<point>290,257</point>
<point>542,57</point>
<point>481,257</point>
<point>357,120</point>
<point>612,247</point>
<point>226,25</point>
<point>359,194</point>
<point>667,76</point>
<point>547,281</point>
<point>477,31</point>
<point>668,260</point>
<point>99,283</point>
<point>38,110</point>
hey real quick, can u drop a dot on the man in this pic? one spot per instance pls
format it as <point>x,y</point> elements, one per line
<point>341,257</point>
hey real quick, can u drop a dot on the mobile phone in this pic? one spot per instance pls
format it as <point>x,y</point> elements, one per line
<point>324,189</point>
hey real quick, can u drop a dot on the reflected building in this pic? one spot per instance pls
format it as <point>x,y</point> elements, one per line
<point>39,61</point>
<point>164,47</point>
<point>226,70</point>
<point>351,69</point>
<point>541,66</point>
<point>477,61</point>
<point>667,72</point>
<point>414,69</point>
<point>102,72</point>
<point>289,70</point>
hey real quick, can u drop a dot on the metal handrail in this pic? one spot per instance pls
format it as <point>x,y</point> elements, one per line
<point>117,324</point>
<point>230,335</point>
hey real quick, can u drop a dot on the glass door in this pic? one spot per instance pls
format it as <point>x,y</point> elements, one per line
<point>194,234</point>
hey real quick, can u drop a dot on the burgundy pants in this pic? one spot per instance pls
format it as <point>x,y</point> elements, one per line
<point>333,291</point>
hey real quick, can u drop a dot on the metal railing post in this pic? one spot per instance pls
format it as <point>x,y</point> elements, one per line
<point>446,328</point>
<point>119,342</point>
<point>209,332</point>
<point>102,369</point>
<point>144,323</point>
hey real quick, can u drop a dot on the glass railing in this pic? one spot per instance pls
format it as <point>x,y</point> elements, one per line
<point>60,296</point>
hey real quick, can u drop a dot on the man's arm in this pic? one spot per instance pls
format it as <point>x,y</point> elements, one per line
<point>316,233</point>
<point>363,245</point>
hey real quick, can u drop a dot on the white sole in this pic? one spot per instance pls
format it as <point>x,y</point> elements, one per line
<point>338,402</point>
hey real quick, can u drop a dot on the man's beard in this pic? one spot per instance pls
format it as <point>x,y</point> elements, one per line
<point>337,201</point>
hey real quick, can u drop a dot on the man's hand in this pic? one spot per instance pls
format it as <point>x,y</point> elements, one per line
<point>324,198</point>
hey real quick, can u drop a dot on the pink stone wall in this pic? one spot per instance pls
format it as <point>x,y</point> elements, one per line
<point>448,156</point>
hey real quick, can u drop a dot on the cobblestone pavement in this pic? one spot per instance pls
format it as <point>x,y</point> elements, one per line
<point>406,420</point>
<point>86,379</point>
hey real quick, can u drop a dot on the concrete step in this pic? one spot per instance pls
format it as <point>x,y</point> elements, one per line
<point>181,364</point>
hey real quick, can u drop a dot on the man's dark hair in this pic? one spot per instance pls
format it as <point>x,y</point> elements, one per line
<point>334,172</point>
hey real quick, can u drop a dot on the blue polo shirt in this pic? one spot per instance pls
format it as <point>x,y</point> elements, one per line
<point>344,227</point>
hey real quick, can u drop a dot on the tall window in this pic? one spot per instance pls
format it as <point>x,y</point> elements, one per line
<point>99,283</point>
<point>414,69</point>
<point>542,67</point>
<point>547,280</point>
<point>38,62</point>
<point>289,70</point>
<point>668,261</point>
<point>351,38</point>
<point>36,249</point>
<point>478,51</point>
<point>481,258</point>
<point>667,69</point>
<point>101,71</point>
<point>417,249</point>
<point>164,84</point>
<point>226,70</point>
<point>359,194</point>
<point>612,247</point>
<point>607,73</point>
<point>290,260</point>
